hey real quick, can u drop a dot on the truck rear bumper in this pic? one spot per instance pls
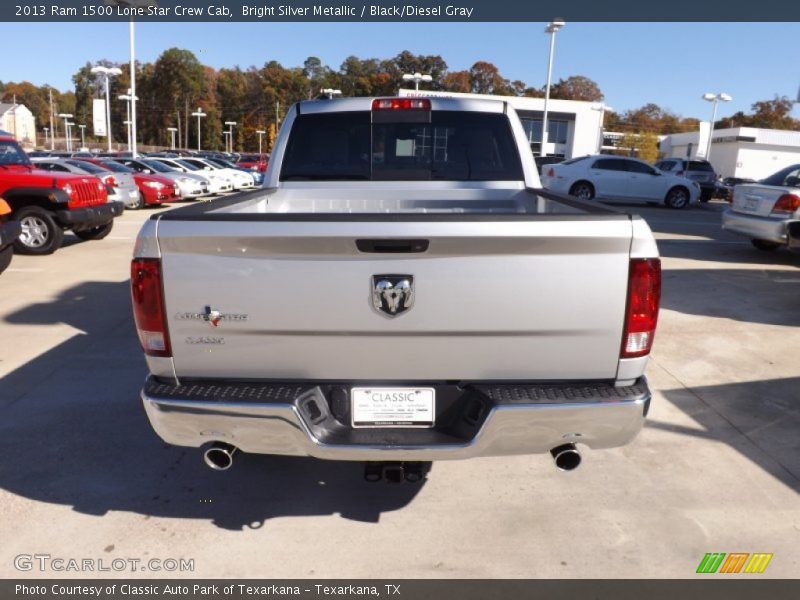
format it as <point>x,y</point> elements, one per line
<point>475,419</point>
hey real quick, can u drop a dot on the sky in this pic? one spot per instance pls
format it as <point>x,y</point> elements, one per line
<point>670,64</point>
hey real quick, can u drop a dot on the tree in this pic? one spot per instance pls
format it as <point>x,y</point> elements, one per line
<point>576,87</point>
<point>457,81</point>
<point>773,114</point>
<point>485,78</point>
<point>179,80</point>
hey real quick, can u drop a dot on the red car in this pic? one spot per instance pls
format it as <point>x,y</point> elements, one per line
<point>254,162</point>
<point>153,189</point>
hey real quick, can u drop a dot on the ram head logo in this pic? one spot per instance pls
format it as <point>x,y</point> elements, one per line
<point>392,294</point>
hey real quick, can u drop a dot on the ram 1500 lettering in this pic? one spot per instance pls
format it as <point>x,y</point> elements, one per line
<point>400,291</point>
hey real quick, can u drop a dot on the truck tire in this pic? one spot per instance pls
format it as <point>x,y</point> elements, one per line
<point>95,233</point>
<point>5,257</point>
<point>583,190</point>
<point>677,197</point>
<point>765,245</point>
<point>40,232</point>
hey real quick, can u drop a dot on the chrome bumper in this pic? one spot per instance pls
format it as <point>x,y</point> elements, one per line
<point>755,227</point>
<point>510,420</point>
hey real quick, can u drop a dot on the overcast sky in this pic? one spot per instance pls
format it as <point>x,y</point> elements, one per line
<point>671,64</point>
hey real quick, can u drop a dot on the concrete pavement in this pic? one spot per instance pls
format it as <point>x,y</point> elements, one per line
<point>717,469</point>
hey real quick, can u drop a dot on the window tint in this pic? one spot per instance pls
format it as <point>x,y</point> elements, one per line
<point>454,145</point>
<point>666,165</point>
<point>695,165</point>
<point>781,176</point>
<point>637,167</point>
<point>610,164</point>
<point>86,166</point>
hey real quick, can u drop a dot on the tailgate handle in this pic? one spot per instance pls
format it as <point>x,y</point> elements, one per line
<point>392,246</point>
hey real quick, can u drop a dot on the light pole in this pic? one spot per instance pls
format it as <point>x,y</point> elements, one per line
<point>230,125</point>
<point>83,137</point>
<point>260,133</point>
<point>70,125</point>
<point>129,99</point>
<point>552,28</point>
<point>107,73</point>
<point>66,118</point>
<point>199,114</point>
<point>172,131</point>
<point>601,108</point>
<point>46,129</point>
<point>416,78</point>
<point>227,136</point>
<point>330,92</point>
<point>714,98</point>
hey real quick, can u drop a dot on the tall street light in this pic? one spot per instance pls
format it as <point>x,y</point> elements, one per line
<point>199,114</point>
<point>70,125</point>
<point>552,28</point>
<point>416,78</point>
<point>66,118</point>
<point>330,93</point>
<point>129,99</point>
<point>172,131</point>
<point>83,137</point>
<point>260,133</point>
<point>714,98</point>
<point>46,129</point>
<point>107,73</point>
<point>230,125</point>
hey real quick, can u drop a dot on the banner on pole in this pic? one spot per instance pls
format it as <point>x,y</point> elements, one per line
<point>99,117</point>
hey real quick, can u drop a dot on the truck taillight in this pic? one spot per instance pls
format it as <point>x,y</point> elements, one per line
<point>786,204</point>
<point>401,104</point>
<point>148,306</point>
<point>641,314</point>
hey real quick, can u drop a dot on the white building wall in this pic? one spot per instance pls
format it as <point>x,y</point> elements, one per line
<point>757,161</point>
<point>585,125</point>
<point>771,151</point>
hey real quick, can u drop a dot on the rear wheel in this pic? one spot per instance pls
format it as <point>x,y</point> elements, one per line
<point>40,232</point>
<point>95,233</point>
<point>139,202</point>
<point>5,257</point>
<point>582,190</point>
<point>765,245</point>
<point>677,197</point>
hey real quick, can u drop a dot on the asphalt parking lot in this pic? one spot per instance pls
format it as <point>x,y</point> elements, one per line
<point>717,468</point>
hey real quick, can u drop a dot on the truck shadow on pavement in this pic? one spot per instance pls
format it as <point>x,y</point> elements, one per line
<point>759,419</point>
<point>74,432</point>
<point>768,296</point>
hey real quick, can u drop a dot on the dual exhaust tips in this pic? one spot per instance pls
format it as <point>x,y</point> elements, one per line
<point>220,458</point>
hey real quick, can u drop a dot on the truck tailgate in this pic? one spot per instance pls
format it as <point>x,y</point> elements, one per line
<point>493,299</point>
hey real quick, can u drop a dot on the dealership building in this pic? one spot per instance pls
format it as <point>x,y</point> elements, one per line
<point>746,152</point>
<point>574,128</point>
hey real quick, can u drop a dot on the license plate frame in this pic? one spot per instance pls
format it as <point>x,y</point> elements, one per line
<point>393,408</point>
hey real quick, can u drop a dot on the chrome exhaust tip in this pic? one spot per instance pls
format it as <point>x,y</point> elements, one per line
<point>220,456</point>
<point>566,457</point>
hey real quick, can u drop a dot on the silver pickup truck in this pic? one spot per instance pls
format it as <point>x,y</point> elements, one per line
<point>401,291</point>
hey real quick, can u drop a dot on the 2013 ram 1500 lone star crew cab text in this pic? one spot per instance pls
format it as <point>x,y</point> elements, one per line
<point>399,291</point>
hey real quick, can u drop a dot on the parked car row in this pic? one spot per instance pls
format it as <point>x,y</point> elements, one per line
<point>44,194</point>
<point>618,177</point>
<point>766,212</point>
